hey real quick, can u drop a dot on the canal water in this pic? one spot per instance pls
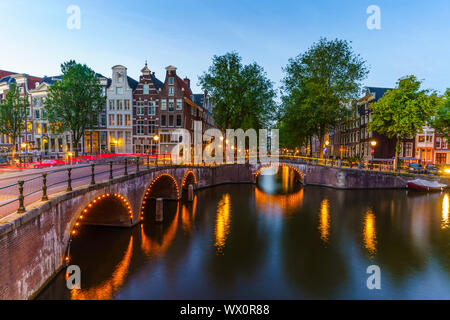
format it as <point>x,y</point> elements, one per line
<point>271,241</point>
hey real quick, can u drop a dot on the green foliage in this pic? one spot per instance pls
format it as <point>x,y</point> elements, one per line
<point>403,111</point>
<point>317,85</point>
<point>13,114</point>
<point>243,96</point>
<point>441,123</point>
<point>75,102</point>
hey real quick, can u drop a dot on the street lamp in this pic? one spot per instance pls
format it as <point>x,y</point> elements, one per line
<point>373,143</point>
<point>156,139</point>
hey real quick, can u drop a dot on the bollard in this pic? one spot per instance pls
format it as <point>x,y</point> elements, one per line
<point>190,192</point>
<point>159,210</point>
<point>110,170</point>
<point>69,180</point>
<point>93,174</point>
<point>21,208</point>
<point>126,168</point>
<point>44,187</point>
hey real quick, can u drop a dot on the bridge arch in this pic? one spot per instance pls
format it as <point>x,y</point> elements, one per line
<point>300,176</point>
<point>188,178</point>
<point>96,213</point>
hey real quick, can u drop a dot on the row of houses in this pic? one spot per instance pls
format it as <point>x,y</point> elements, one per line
<point>352,138</point>
<point>134,114</point>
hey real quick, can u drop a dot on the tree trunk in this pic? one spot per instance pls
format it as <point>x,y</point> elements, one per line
<point>397,151</point>
<point>13,156</point>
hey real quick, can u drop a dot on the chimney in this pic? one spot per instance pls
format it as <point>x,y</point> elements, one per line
<point>187,81</point>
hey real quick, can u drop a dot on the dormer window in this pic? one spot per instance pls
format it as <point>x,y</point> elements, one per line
<point>171,80</point>
<point>171,91</point>
<point>146,89</point>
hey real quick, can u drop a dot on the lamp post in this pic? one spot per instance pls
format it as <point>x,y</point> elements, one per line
<point>373,143</point>
<point>156,139</point>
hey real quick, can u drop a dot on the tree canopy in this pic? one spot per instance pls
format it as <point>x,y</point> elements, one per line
<point>75,102</point>
<point>317,85</point>
<point>441,123</point>
<point>403,111</point>
<point>13,115</point>
<point>243,96</point>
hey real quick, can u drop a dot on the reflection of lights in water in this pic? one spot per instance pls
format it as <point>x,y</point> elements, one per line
<point>285,178</point>
<point>324,220</point>
<point>106,290</point>
<point>369,233</point>
<point>271,203</point>
<point>153,247</point>
<point>222,222</point>
<point>445,223</point>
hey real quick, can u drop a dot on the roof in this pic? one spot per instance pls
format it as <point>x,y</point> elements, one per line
<point>156,82</point>
<point>187,90</point>
<point>198,98</point>
<point>377,92</point>
<point>4,73</point>
<point>132,83</point>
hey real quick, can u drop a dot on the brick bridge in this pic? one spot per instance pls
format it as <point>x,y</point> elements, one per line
<point>35,245</point>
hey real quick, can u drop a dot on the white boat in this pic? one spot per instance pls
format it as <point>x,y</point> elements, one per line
<point>425,185</point>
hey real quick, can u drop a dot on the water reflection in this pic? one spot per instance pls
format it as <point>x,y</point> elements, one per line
<point>271,241</point>
<point>222,223</point>
<point>324,220</point>
<point>106,290</point>
<point>445,217</point>
<point>369,234</point>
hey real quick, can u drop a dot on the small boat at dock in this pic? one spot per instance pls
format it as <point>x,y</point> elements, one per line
<point>425,185</point>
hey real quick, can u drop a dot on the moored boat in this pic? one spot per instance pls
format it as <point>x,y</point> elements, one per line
<point>425,185</point>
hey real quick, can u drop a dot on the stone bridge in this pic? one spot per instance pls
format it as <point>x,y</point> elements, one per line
<point>34,246</point>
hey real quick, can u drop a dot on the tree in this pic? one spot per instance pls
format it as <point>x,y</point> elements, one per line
<point>441,123</point>
<point>243,96</point>
<point>75,102</point>
<point>317,85</point>
<point>13,115</point>
<point>402,112</point>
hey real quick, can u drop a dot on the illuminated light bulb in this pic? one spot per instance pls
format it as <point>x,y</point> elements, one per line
<point>90,205</point>
<point>81,217</point>
<point>74,232</point>
<point>67,259</point>
<point>85,210</point>
<point>77,224</point>
<point>95,201</point>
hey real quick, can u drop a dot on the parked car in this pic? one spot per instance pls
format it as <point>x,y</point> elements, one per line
<point>432,169</point>
<point>46,163</point>
<point>415,168</point>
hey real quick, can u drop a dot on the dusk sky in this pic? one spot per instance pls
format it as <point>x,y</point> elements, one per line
<point>413,38</point>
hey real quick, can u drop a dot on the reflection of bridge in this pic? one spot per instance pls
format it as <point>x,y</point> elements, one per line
<point>34,244</point>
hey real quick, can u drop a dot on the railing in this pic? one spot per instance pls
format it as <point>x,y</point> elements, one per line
<point>16,196</point>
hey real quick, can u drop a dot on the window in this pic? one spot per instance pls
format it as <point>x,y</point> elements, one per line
<point>178,120</point>
<point>37,114</point>
<point>119,120</point>
<point>421,138</point>
<point>111,104</point>
<point>171,91</point>
<point>140,110</point>
<point>111,120</point>
<point>408,150</point>
<point>151,127</point>
<point>103,120</point>
<point>179,104</point>
<point>171,80</point>
<point>171,120</point>
<point>163,104</point>
<point>438,143</point>
<point>146,88</point>
<point>38,128</point>
<point>127,104</point>
<point>140,127</point>
<point>119,90</point>
<point>171,104</point>
<point>127,120</point>
<point>44,114</point>
<point>151,108</point>
<point>441,158</point>
<point>163,120</point>
<point>36,102</point>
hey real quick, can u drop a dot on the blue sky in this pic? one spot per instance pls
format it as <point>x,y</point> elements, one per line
<point>414,35</point>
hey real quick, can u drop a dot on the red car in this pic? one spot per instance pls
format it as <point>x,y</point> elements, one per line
<point>47,163</point>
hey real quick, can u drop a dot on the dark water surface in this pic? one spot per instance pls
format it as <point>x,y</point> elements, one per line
<point>274,241</point>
